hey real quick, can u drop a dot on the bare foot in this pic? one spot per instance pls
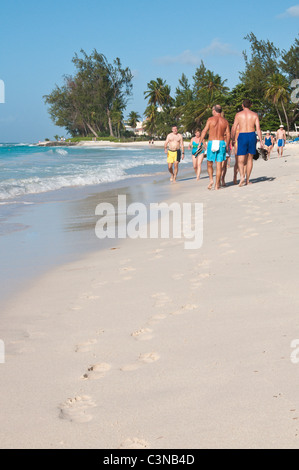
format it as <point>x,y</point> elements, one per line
<point>249,182</point>
<point>217,188</point>
<point>211,185</point>
<point>171,179</point>
<point>242,182</point>
<point>223,184</point>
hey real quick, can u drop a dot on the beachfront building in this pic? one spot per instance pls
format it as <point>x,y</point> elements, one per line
<point>138,130</point>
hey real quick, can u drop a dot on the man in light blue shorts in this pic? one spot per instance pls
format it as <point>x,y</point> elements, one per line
<point>281,140</point>
<point>218,145</point>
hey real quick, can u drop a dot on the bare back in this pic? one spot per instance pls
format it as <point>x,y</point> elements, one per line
<point>218,127</point>
<point>247,121</point>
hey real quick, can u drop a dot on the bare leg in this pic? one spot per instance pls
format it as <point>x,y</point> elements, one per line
<point>170,171</point>
<point>218,174</point>
<point>249,167</point>
<point>210,173</point>
<point>236,169</point>
<point>241,166</point>
<point>223,173</point>
<point>200,159</point>
<point>195,164</point>
<point>176,170</point>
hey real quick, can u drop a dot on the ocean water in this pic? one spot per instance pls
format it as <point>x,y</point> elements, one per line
<point>29,169</point>
<point>48,197</point>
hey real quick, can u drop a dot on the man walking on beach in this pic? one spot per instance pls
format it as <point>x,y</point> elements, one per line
<point>218,144</point>
<point>247,122</point>
<point>281,140</point>
<point>174,148</point>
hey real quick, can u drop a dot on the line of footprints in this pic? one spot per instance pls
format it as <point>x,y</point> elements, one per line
<point>79,408</point>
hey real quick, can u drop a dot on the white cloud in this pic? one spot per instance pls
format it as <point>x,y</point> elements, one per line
<point>292,11</point>
<point>188,57</point>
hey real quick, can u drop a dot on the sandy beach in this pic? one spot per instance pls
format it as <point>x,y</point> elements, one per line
<point>148,345</point>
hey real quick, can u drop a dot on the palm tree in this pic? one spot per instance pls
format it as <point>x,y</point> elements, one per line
<point>278,92</point>
<point>213,83</point>
<point>133,119</point>
<point>151,119</point>
<point>158,93</point>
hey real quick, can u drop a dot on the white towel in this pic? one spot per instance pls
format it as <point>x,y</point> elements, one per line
<point>215,145</point>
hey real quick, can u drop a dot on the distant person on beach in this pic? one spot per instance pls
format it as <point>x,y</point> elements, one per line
<point>218,143</point>
<point>268,143</point>
<point>174,148</point>
<point>196,159</point>
<point>247,122</point>
<point>281,139</point>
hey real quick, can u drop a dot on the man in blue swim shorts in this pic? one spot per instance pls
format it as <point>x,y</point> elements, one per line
<point>281,140</point>
<point>248,124</point>
<point>218,144</point>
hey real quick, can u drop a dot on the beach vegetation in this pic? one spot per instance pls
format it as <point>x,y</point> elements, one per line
<point>94,99</point>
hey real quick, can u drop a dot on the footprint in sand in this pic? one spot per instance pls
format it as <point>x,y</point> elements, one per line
<point>205,262</point>
<point>126,269</point>
<point>251,235</point>
<point>162,299</point>
<point>177,277</point>
<point>229,252</point>
<point>156,318</point>
<point>134,443</point>
<point>184,308</point>
<point>75,409</point>
<point>225,245</point>
<point>86,346</point>
<point>144,334</point>
<point>267,222</point>
<point>96,371</point>
<point>148,358</point>
<point>89,297</point>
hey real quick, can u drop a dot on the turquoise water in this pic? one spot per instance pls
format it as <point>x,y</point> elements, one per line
<point>48,197</point>
<point>29,169</point>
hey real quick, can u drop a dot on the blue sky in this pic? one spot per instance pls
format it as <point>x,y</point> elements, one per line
<point>157,38</point>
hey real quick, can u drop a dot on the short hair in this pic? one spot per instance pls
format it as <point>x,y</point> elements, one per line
<point>217,108</point>
<point>247,103</point>
<point>197,130</point>
<point>174,125</point>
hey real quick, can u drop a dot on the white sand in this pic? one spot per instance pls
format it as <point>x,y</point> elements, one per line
<point>153,346</point>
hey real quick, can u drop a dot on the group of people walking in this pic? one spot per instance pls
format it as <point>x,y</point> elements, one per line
<point>242,137</point>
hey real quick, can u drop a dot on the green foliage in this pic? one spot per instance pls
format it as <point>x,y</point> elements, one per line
<point>94,99</point>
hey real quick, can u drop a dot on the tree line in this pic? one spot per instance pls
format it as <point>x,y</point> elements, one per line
<point>93,101</point>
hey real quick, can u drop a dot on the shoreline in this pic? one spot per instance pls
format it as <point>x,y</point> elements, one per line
<point>153,346</point>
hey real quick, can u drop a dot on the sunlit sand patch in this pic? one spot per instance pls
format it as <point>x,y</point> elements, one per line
<point>74,409</point>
